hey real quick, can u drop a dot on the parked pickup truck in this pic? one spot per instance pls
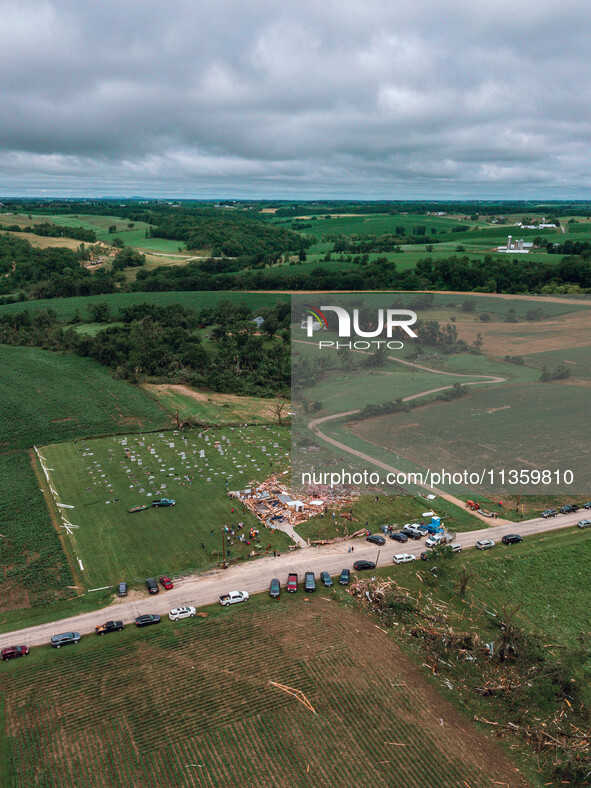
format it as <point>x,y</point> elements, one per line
<point>164,502</point>
<point>233,597</point>
<point>109,626</point>
<point>292,582</point>
<point>441,538</point>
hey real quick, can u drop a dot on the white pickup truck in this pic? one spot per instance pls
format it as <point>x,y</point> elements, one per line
<point>439,538</point>
<point>233,597</point>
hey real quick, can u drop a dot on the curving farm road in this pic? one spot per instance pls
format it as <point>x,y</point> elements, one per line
<point>313,424</point>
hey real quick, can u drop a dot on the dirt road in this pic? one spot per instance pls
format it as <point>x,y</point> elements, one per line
<point>313,425</point>
<point>255,577</point>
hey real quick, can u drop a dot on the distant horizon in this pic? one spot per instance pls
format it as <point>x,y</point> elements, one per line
<point>296,198</point>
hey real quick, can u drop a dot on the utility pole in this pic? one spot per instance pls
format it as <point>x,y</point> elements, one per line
<point>224,547</point>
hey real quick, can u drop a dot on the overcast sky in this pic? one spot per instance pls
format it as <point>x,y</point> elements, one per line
<point>357,98</point>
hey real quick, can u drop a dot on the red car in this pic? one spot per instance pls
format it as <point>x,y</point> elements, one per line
<point>292,583</point>
<point>14,651</point>
<point>166,582</point>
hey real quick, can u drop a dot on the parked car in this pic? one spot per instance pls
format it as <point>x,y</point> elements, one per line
<point>109,626</point>
<point>568,508</point>
<point>456,548</point>
<point>166,582</point>
<point>344,578</point>
<point>309,582</point>
<point>326,579</point>
<point>412,533</point>
<point>414,529</point>
<point>399,537</point>
<point>587,505</point>
<point>184,611</point>
<point>122,589</point>
<point>164,502</point>
<point>147,619</point>
<point>485,544</point>
<point>57,641</point>
<point>376,539</point>
<point>427,555</point>
<point>403,558</point>
<point>512,539</point>
<point>584,523</point>
<point>292,582</point>
<point>152,585</point>
<point>275,588</point>
<point>233,597</point>
<point>12,652</point>
<point>358,566</point>
<point>549,513</point>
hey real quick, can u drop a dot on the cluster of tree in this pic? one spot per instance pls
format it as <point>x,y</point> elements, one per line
<point>228,233</point>
<point>561,372</point>
<point>128,258</point>
<point>51,230</point>
<point>48,273</point>
<point>459,273</point>
<point>165,344</point>
<point>569,247</point>
<point>399,406</point>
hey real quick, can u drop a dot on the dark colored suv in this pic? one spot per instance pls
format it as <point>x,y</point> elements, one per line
<point>549,513</point>
<point>109,626</point>
<point>512,539</point>
<point>146,620</point>
<point>309,582</point>
<point>122,589</point>
<point>152,585</point>
<point>57,641</point>
<point>344,578</point>
<point>275,588</point>
<point>569,508</point>
<point>359,565</point>
<point>326,579</point>
<point>376,539</point>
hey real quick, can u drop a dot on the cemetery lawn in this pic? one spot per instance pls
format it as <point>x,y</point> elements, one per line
<point>102,478</point>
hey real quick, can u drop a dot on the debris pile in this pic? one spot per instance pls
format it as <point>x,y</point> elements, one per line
<point>272,503</point>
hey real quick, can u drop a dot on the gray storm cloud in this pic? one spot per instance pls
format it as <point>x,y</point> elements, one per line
<point>351,98</point>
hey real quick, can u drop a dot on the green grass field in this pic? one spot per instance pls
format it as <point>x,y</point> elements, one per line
<point>216,409</point>
<point>577,360</point>
<point>103,478</point>
<point>50,397</point>
<point>191,704</point>
<point>533,427</point>
<point>67,308</point>
<point>387,510</point>
<point>134,236</point>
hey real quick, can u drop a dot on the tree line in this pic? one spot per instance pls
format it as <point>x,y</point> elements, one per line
<point>221,349</point>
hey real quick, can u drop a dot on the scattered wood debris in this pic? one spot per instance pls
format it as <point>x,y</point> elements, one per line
<point>298,694</point>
